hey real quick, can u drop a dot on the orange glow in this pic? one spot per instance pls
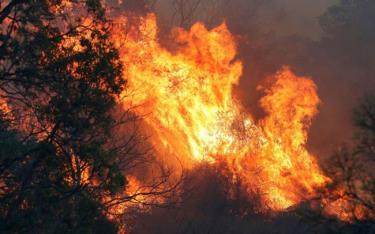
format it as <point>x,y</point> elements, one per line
<point>4,107</point>
<point>186,97</point>
<point>135,197</point>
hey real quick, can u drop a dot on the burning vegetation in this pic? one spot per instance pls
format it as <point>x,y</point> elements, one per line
<point>101,123</point>
<point>187,98</point>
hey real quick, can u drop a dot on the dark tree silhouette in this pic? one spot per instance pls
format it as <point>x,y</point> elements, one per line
<point>60,151</point>
<point>351,194</point>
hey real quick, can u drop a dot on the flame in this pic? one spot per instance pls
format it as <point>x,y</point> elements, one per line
<point>186,97</point>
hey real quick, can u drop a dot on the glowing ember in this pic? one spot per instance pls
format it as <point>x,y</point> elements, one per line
<point>186,97</point>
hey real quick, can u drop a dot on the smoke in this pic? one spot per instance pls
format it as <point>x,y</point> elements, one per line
<point>285,17</point>
<point>300,17</point>
<point>208,208</point>
<point>270,34</point>
<point>274,33</point>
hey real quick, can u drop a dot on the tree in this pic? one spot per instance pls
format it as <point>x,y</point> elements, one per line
<point>59,76</point>
<point>348,43</point>
<point>62,165</point>
<point>350,196</point>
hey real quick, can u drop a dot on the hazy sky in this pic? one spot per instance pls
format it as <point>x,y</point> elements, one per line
<point>299,16</point>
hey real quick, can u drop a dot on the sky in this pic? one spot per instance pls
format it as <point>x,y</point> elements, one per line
<point>298,16</point>
<point>301,15</point>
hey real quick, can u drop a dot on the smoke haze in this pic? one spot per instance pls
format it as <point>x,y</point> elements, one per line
<point>274,33</point>
<point>271,34</point>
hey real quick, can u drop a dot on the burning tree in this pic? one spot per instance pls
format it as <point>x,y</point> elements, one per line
<point>62,168</point>
<point>82,85</point>
<point>351,194</point>
<point>188,98</point>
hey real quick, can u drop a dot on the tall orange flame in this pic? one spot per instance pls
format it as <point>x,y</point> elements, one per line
<point>186,97</point>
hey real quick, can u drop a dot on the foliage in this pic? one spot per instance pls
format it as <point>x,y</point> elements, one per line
<point>351,194</point>
<point>59,76</point>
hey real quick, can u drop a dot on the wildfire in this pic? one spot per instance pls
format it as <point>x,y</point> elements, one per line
<point>186,97</point>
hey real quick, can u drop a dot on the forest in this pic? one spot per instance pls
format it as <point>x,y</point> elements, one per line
<point>187,116</point>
